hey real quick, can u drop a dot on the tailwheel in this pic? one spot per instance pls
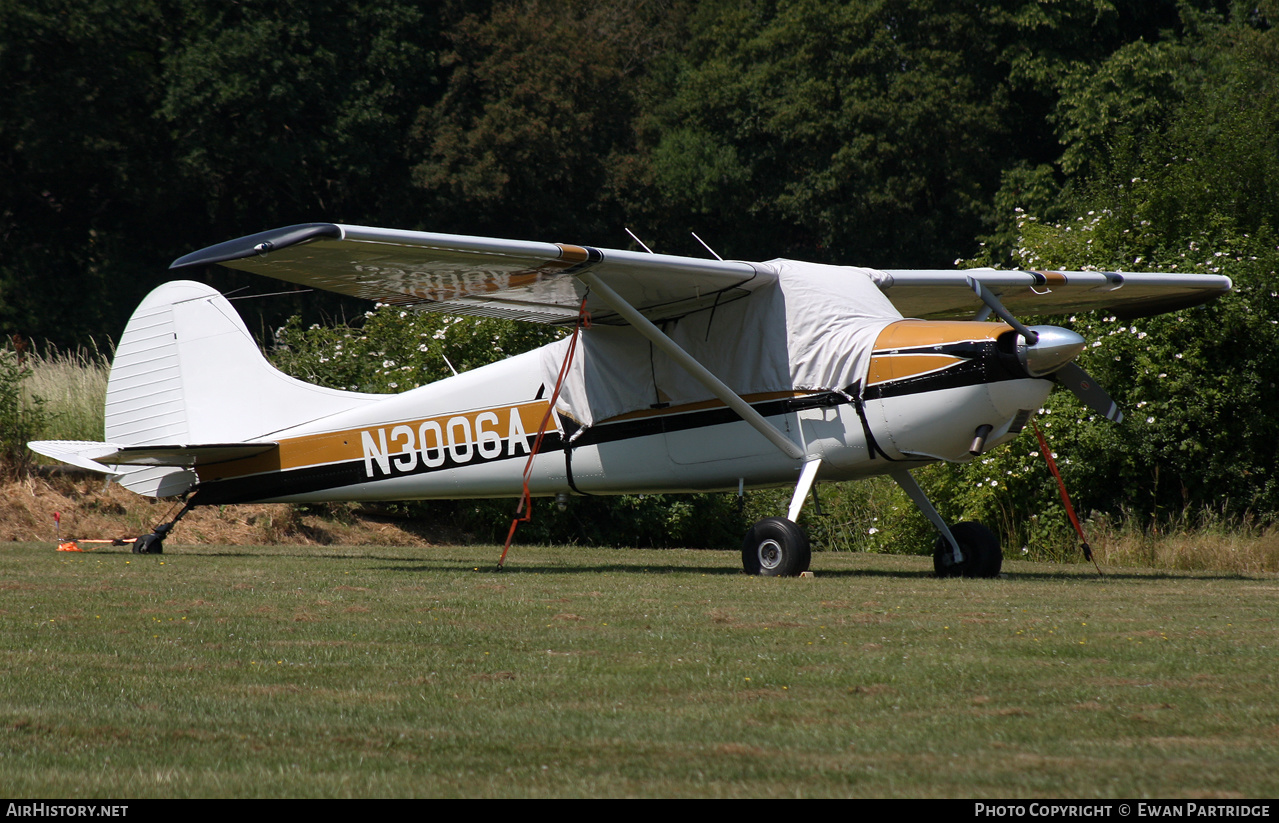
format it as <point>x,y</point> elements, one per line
<point>982,555</point>
<point>148,544</point>
<point>776,547</point>
<point>153,543</point>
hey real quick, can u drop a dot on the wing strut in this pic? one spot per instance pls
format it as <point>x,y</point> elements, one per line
<point>689,363</point>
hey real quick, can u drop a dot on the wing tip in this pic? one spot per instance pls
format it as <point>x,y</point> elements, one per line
<point>256,244</point>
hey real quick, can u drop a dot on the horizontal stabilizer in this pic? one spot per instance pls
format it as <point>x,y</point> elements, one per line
<point>189,457</point>
<point>81,453</point>
<point>99,457</point>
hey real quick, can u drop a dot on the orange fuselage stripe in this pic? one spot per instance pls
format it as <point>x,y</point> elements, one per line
<point>888,367</point>
<point>890,363</point>
<point>348,444</point>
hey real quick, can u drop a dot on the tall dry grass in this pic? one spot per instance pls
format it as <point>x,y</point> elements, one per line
<point>72,386</point>
<point>1200,543</point>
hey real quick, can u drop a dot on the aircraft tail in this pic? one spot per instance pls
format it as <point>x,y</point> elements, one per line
<point>187,376</point>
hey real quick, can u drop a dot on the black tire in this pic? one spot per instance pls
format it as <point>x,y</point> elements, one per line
<point>982,555</point>
<point>148,544</point>
<point>776,547</point>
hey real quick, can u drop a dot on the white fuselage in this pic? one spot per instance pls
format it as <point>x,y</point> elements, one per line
<point>471,435</point>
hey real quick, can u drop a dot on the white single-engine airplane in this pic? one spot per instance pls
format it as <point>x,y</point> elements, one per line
<point>694,375</point>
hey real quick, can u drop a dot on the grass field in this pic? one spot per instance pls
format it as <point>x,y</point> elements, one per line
<point>286,671</point>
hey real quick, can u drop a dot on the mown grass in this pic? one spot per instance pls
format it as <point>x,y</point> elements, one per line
<point>584,672</point>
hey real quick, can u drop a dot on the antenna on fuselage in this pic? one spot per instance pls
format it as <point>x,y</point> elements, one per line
<point>708,248</point>
<point>447,363</point>
<point>637,240</point>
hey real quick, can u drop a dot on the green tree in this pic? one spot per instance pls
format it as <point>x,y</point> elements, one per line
<point>1194,189</point>
<point>285,112</point>
<point>873,132</point>
<point>536,115</point>
<point>1157,61</point>
<point>22,417</point>
<point>83,172</point>
<point>136,132</point>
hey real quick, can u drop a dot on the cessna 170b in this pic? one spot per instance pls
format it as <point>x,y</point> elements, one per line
<point>694,375</point>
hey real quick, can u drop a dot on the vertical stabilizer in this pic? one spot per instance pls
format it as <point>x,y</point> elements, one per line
<point>187,372</point>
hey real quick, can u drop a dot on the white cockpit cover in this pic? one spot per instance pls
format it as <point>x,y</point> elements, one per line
<point>812,330</point>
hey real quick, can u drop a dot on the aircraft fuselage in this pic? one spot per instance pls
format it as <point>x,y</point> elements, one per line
<point>930,386</point>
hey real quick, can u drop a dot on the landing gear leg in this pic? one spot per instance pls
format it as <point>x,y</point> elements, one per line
<point>153,543</point>
<point>968,550</point>
<point>777,547</point>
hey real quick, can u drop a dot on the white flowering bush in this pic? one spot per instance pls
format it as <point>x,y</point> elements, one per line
<point>393,350</point>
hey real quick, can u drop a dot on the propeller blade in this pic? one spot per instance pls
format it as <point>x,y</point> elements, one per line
<point>1086,389</point>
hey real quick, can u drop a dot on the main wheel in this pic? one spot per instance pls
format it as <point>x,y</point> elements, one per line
<point>775,547</point>
<point>148,544</point>
<point>982,554</point>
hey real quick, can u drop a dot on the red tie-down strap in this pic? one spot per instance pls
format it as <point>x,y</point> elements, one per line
<point>524,511</point>
<point>1065,496</point>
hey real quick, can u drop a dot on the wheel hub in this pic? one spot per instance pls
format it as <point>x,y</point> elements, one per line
<point>770,554</point>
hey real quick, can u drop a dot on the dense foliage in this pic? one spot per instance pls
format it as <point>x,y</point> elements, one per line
<point>22,417</point>
<point>1117,134</point>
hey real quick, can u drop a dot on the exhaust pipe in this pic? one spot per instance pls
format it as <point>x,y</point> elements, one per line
<point>979,439</point>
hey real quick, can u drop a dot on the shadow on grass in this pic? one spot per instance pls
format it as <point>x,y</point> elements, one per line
<point>530,564</point>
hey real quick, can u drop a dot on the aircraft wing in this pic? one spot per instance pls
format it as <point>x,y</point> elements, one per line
<point>455,274</point>
<point>532,281</point>
<point>946,294</point>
